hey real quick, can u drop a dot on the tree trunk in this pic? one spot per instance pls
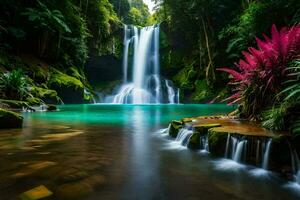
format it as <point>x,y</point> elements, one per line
<point>119,8</point>
<point>58,44</point>
<point>209,69</point>
<point>43,43</point>
<point>86,7</point>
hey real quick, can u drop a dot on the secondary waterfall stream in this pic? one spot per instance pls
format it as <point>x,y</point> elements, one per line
<point>141,59</point>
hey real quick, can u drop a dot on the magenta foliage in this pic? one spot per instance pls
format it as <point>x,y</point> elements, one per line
<point>265,65</point>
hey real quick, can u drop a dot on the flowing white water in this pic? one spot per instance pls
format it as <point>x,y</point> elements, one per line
<point>178,96</point>
<point>234,142</point>
<point>145,85</point>
<point>266,155</point>
<point>171,92</point>
<point>257,152</point>
<point>239,150</point>
<point>184,136</point>
<point>204,146</point>
<point>127,41</point>
<point>227,146</point>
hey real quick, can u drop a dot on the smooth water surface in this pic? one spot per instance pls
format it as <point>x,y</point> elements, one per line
<point>115,152</point>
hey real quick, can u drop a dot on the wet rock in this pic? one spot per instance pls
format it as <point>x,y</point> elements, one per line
<point>217,141</point>
<point>174,128</point>
<point>14,104</point>
<point>73,191</point>
<point>33,168</point>
<point>9,119</point>
<point>187,120</point>
<point>36,193</point>
<point>51,107</point>
<point>203,128</point>
<point>194,142</point>
<point>71,175</point>
<point>280,155</point>
<point>81,189</point>
<point>200,130</point>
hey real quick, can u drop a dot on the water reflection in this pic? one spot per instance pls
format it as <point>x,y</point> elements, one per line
<point>93,152</point>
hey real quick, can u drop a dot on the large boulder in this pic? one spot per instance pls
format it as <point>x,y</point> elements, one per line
<point>174,128</point>
<point>217,141</point>
<point>194,141</point>
<point>14,105</point>
<point>9,119</point>
<point>51,107</point>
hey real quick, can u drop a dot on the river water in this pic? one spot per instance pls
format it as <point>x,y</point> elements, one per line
<point>116,152</point>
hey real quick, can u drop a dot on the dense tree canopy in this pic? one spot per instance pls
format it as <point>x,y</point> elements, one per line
<point>212,34</point>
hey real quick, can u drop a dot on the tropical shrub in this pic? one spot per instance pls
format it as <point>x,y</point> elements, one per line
<point>259,77</point>
<point>14,84</point>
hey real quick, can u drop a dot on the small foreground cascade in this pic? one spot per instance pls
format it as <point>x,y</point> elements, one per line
<point>142,83</point>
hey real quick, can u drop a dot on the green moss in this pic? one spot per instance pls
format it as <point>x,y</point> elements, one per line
<point>61,79</point>
<point>203,128</point>
<point>200,130</point>
<point>10,119</point>
<point>43,92</point>
<point>194,142</point>
<point>14,103</point>
<point>33,101</point>
<point>174,128</point>
<point>217,142</point>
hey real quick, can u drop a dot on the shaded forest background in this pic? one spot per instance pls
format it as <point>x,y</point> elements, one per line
<point>71,49</point>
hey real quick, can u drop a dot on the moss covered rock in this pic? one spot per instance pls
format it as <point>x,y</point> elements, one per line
<point>203,128</point>
<point>200,130</point>
<point>174,128</point>
<point>187,120</point>
<point>14,104</point>
<point>217,141</point>
<point>10,119</point>
<point>194,142</point>
<point>51,107</point>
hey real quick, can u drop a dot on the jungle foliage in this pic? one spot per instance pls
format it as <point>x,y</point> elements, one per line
<point>204,35</point>
<point>46,44</point>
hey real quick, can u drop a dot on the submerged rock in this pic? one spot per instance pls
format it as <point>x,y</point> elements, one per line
<point>51,107</point>
<point>36,193</point>
<point>174,128</point>
<point>9,119</point>
<point>80,189</point>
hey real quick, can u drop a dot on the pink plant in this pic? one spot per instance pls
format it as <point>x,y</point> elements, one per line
<point>264,69</point>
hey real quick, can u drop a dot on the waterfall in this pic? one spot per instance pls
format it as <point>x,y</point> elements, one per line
<point>144,86</point>
<point>184,136</point>
<point>266,155</point>
<point>171,92</point>
<point>204,143</point>
<point>178,96</point>
<point>127,41</point>
<point>234,142</point>
<point>257,152</point>
<point>227,146</point>
<point>240,147</point>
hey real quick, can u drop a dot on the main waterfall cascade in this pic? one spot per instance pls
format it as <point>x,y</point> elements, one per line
<point>141,57</point>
